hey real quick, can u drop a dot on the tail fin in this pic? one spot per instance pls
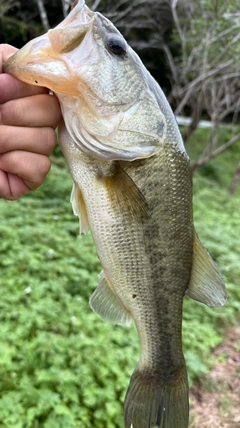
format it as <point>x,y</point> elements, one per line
<point>151,403</point>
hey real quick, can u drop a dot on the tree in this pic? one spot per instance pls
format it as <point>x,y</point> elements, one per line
<point>43,14</point>
<point>21,20</point>
<point>5,5</point>
<point>205,75</point>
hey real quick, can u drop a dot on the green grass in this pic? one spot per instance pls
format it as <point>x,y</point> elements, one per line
<point>60,364</point>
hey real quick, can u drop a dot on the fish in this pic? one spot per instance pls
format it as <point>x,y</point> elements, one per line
<point>132,187</point>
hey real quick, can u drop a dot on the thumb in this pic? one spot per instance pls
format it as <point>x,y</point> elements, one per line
<point>5,52</point>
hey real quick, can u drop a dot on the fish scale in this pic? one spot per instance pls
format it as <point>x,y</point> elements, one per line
<point>133,189</point>
<point>128,278</point>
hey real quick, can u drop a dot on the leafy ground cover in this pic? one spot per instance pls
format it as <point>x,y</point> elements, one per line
<point>60,364</point>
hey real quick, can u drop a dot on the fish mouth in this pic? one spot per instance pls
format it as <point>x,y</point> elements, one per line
<point>43,60</point>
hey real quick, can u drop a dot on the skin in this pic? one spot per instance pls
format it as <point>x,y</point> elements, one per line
<point>28,118</point>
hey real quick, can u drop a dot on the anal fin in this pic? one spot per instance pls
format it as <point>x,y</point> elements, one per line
<point>206,283</point>
<point>79,208</point>
<point>105,302</point>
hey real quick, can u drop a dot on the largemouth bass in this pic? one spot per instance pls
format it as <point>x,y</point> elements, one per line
<point>133,189</point>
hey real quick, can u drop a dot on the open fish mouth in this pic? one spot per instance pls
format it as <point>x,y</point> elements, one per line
<point>41,61</point>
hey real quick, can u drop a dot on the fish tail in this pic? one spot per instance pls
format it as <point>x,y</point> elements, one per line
<point>152,403</point>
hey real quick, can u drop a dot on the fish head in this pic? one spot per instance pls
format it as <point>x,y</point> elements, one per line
<point>100,81</point>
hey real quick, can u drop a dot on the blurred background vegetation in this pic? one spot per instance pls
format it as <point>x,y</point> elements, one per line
<point>60,365</point>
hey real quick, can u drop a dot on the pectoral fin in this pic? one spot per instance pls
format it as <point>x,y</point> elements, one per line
<point>79,208</point>
<point>206,283</point>
<point>123,193</point>
<point>106,303</point>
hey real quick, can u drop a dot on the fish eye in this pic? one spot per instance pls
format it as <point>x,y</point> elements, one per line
<point>117,46</point>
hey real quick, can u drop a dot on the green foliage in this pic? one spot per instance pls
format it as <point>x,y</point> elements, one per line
<point>60,364</point>
<point>220,169</point>
<point>20,20</point>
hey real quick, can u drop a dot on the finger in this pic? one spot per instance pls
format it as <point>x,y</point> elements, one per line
<point>11,89</point>
<point>31,167</point>
<point>37,110</point>
<point>5,52</point>
<point>11,186</point>
<point>35,140</point>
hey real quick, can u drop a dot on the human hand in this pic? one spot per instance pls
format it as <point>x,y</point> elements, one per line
<point>28,118</point>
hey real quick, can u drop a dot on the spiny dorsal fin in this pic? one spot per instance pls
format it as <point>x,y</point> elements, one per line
<point>124,195</point>
<point>105,302</point>
<point>206,283</point>
<point>79,208</point>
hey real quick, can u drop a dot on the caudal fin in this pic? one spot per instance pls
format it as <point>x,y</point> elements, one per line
<point>150,403</point>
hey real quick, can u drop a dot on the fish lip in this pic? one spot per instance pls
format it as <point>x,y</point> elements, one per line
<point>29,54</point>
<point>35,58</point>
<point>36,68</point>
<point>8,63</point>
<point>23,61</point>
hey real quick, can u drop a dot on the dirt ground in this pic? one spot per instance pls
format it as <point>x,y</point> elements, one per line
<point>215,403</point>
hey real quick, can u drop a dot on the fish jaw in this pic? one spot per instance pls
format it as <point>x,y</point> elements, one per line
<point>103,91</point>
<point>31,65</point>
<point>48,60</point>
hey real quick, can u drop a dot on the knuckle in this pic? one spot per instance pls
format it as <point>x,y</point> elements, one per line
<point>54,111</point>
<point>40,167</point>
<point>44,166</point>
<point>48,140</point>
<point>8,114</point>
<point>4,139</point>
<point>2,113</point>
